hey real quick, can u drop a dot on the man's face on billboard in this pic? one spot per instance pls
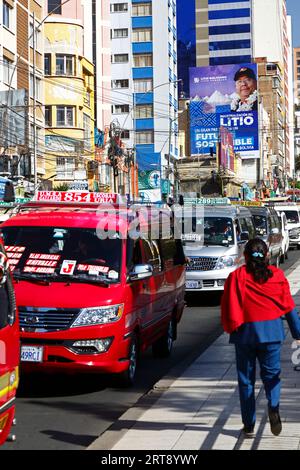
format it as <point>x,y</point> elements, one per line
<point>245,86</point>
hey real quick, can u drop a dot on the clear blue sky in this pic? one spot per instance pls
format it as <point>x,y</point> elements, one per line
<point>293,8</point>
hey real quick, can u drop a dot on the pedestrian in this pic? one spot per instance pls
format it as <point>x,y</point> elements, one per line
<point>255,298</point>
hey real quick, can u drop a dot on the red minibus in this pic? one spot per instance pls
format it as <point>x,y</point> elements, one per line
<point>92,290</point>
<point>9,348</point>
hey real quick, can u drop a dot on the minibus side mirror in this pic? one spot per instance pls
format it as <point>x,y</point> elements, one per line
<point>245,237</point>
<point>140,272</point>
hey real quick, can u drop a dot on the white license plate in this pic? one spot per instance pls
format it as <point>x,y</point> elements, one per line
<point>32,353</point>
<point>193,284</point>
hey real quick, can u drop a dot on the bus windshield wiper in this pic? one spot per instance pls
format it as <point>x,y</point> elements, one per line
<point>32,278</point>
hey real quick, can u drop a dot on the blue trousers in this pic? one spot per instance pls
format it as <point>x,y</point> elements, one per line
<point>268,355</point>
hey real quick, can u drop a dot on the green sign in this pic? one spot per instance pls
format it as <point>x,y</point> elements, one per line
<point>207,201</point>
<point>18,200</point>
<point>165,186</point>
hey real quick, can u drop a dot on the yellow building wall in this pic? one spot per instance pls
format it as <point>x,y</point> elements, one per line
<point>75,90</point>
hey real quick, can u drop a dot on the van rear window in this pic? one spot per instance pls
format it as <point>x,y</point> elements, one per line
<point>59,253</point>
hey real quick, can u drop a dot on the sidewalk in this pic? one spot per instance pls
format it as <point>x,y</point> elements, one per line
<point>200,410</point>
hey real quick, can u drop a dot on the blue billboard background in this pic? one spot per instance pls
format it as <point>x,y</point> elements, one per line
<point>213,98</point>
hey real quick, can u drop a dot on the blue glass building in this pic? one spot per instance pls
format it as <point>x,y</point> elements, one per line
<point>223,31</point>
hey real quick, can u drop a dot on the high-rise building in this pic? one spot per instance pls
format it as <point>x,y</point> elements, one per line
<point>21,105</point>
<point>296,63</point>
<point>144,80</point>
<point>272,40</point>
<point>186,42</point>
<point>223,32</point>
<point>69,95</point>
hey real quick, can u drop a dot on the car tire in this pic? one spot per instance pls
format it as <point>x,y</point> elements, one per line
<point>127,378</point>
<point>163,346</point>
<point>286,255</point>
<point>298,247</point>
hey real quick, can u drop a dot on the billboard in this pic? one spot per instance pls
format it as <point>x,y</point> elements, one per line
<point>226,158</point>
<point>224,96</point>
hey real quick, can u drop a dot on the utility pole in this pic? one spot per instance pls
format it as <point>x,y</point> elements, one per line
<point>34,105</point>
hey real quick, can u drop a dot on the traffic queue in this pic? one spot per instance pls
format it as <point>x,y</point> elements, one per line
<point>98,280</point>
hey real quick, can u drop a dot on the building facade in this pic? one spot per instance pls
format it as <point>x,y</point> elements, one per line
<point>296,74</point>
<point>223,32</point>
<point>272,40</point>
<point>144,81</point>
<point>69,99</point>
<point>21,103</point>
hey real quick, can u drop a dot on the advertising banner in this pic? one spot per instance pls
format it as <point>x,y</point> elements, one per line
<point>224,96</point>
<point>226,150</point>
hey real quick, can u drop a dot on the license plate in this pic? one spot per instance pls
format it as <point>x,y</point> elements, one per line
<point>193,284</point>
<point>32,353</point>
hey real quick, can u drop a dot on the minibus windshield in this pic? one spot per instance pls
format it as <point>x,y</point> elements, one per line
<point>62,254</point>
<point>209,231</point>
<point>260,222</point>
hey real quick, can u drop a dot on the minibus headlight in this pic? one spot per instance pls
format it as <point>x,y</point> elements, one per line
<point>98,315</point>
<point>226,262</point>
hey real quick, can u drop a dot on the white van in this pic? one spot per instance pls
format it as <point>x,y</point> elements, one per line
<point>292,213</point>
<point>215,245</point>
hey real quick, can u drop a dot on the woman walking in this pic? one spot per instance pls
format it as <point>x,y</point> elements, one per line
<point>255,297</point>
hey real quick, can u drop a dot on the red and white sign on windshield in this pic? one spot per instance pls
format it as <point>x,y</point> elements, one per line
<point>76,196</point>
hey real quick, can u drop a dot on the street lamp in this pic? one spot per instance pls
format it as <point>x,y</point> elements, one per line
<point>33,36</point>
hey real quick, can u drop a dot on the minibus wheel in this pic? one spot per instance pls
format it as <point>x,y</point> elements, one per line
<point>163,346</point>
<point>126,378</point>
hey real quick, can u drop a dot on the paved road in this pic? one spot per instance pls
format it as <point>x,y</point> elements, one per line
<point>70,412</point>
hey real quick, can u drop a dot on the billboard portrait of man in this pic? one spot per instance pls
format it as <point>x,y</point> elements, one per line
<point>224,96</point>
<point>246,91</point>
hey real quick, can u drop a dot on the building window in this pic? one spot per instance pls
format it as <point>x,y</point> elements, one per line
<point>54,5</point>
<point>124,83</point>
<point>125,134</point>
<point>65,116</point>
<point>142,60</point>
<point>142,35</point>
<point>145,137</point>
<point>38,37</point>
<point>7,70</point>
<point>6,14</point>
<point>64,65</point>
<point>47,64</point>
<point>120,108</point>
<point>87,131</point>
<point>143,86</point>
<point>38,88</point>
<point>144,111</point>
<point>119,33</point>
<point>48,116</point>
<point>65,168</point>
<point>142,9</point>
<point>87,98</point>
<point>118,7</point>
<point>120,58</point>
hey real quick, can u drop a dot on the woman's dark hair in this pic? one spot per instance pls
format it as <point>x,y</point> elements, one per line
<point>257,261</point>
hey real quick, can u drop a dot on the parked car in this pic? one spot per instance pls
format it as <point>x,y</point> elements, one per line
<point>268,227</point>
<point>90,296</point>
<point>215,245</point>
<point>285,236</point>
<point>292,212</point>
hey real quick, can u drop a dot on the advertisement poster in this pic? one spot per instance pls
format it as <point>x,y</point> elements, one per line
<point>224,96</point>
<point>226,150</point>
